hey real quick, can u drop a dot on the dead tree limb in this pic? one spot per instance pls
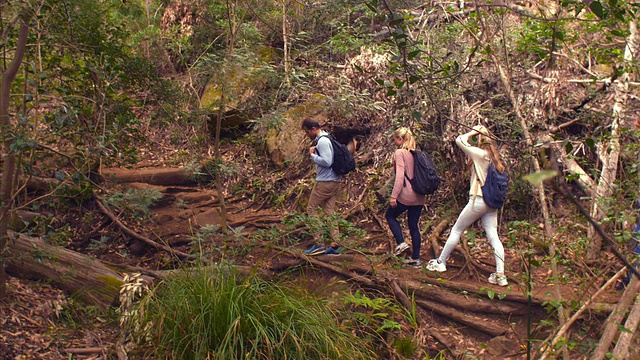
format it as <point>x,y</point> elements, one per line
<point>561,332</point>
<point>621,351</point>
<point>615,318</point>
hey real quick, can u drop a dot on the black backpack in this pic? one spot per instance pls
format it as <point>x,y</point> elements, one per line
<point>494,190</point>
<point>343,161</point>
<point>425,178</point>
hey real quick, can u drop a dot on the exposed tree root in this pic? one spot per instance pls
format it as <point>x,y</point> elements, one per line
<point>137,236</point>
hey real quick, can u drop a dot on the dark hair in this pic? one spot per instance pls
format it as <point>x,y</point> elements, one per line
<point>310,124</point>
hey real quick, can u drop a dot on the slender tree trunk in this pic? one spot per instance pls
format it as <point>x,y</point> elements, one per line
<point>285,40</point>
<point>609,152</point>
<point>9,158</point>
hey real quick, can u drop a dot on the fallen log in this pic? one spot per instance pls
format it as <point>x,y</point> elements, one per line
<point>155,176</point>
<point>83,277</point>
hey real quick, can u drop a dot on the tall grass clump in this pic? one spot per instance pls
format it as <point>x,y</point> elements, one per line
<point>213,314</point>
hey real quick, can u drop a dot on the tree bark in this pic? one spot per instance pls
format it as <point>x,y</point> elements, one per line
<point>9,161</point>
<point>615,318</point>
<point>621,351</point>
<point>165,177</point>
<point>77,274</point>
<point>609,153</point>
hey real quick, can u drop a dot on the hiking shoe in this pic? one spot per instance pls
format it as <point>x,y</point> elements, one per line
<point>434,265</point>
<point>315,250</point>
<point>416,263</point>
<point>333,250</point>
<point>498,280</point>
<point>400,248</point>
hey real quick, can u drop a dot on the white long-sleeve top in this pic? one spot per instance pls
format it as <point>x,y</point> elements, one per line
<point>481,161</point>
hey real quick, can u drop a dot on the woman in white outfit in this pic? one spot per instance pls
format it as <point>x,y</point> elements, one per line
<point>481,154</point>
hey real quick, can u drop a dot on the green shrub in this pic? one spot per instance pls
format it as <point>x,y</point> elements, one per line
<point>211,314</point>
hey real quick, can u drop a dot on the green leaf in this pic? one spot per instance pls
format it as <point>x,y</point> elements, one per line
<point>358,68</point>
<point>540,176</point>
<point>590,143</point>
<point>597,9</point>
<point>398,83</point>
<point>372,6</point>
<point>491,294</point>
<point>535,263</point>
<point>413,54</point>
<point>568,147</point>
<point>623,329</point>
<point>417,115</point>
<point>413,79</point>
<point>391,92</point>
<point>396,22</point>
<point>59,175</point>
<point>618,33</point>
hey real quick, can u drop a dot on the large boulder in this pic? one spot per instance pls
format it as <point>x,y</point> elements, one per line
<point>286,142</point>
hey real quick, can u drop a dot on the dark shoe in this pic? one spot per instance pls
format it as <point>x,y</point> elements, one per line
<point>416,263</point>
<point>333,250</point>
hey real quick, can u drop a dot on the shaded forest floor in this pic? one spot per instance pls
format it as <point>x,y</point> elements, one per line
<point>460,313</point>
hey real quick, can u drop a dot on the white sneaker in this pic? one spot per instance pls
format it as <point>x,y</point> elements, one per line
<point>498,280</point>
<point>434,265</point>
<point>400,248</point>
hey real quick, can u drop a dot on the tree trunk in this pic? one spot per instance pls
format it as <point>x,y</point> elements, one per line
<point>9,161</point>
<point>79,275</point>
<point>609,153</point>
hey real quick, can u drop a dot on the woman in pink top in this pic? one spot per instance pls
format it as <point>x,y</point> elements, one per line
<point>403,198</point>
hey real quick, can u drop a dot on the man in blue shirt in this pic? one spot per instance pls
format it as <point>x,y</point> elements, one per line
<point>327,188</point>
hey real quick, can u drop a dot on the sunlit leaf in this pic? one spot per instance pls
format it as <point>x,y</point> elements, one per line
<point>540,176</point>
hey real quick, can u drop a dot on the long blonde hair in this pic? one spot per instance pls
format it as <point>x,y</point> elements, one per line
<point>485,142</point>
<point>408,141</point>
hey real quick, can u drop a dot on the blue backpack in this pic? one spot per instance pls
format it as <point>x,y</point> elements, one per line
<point>494,190</point>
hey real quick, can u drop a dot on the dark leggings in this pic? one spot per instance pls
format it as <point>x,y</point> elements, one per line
<point>413,216</point>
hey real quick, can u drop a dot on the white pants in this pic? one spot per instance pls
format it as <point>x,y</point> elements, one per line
<point>473,211</point>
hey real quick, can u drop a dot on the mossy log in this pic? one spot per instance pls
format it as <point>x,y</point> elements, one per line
<point>83,277</point>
